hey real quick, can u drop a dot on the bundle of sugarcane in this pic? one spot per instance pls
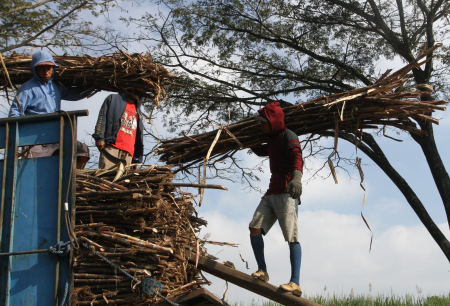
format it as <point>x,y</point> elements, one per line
<point>387,102</point>
<point>117,72</point>
<point>144,224</point>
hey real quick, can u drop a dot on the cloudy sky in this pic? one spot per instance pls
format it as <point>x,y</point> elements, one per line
<point>335,241</point>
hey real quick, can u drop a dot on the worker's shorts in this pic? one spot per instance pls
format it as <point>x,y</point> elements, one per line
<point>105,163</point>
<point>279,207</point>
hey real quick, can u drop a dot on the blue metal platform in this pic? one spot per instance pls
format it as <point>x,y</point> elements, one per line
<point>33,193</point>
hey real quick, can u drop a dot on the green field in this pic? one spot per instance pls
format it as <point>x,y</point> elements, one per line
<point>367,300</point>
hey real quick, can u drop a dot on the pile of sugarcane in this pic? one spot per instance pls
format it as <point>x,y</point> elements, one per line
<point>387,102</point>
<point>143,223</point>
<point>117,72</point>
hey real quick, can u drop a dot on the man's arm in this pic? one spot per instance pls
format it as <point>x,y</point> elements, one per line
<point>14,111</point>
<point>291,145</point>
<point>100,127</point>
<point>74,93</point>
<point>261,150</point>
<point>292,148</point>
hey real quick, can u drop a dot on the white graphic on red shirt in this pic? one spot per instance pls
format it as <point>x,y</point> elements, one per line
<point>128,123</point>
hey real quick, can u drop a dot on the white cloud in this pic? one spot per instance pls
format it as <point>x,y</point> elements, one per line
<point>325,193</point>
<point>336,254</point>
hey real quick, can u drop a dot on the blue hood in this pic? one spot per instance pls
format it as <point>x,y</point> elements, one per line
<point>40,57</point>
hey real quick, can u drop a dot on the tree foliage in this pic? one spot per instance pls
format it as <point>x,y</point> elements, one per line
<point>55,24</point>
<point>233,55</point>
<point>242,52</point>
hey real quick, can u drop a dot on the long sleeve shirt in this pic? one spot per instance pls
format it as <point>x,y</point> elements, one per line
<point>283,149</point>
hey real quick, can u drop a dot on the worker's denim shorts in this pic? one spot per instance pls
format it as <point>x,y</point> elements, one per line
<point>279,207</point>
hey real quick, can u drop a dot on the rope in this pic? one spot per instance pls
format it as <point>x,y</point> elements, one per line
<point>69,228</point>
<point>149,285</point>
<point>66,291</point>
<point>62,249</point>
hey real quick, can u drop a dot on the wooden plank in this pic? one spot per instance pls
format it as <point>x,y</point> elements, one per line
<point>197,297</point>
<point>247,282</point>
<point>205,295</point>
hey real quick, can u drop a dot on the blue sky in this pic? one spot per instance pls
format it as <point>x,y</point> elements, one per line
<point>334,238</point>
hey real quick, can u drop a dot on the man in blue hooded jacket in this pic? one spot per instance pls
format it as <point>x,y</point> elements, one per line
<point>41,95</point>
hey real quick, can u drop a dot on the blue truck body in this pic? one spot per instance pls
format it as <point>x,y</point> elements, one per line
<point>32,208</point>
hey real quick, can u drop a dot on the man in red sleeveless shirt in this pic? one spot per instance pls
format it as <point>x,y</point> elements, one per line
<point>118,132</point>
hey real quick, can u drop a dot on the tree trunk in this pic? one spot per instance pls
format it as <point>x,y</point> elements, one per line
<point>440,175</point>
<point>370,147</point>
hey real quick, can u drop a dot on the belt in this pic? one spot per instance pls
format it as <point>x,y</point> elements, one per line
<point>114,159</point>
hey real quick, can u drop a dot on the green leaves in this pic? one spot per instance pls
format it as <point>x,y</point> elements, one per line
<point>53,23</point>
<point>247,53</point>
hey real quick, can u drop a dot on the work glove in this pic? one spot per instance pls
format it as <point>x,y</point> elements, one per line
<point>295,186</point>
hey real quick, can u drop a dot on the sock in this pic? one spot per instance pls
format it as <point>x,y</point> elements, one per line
<point>258,250</point>
<point>295,251</point>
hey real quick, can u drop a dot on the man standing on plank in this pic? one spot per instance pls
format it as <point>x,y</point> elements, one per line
<point>119,131</point>
<point>41,95</point>
<point>281,200</point>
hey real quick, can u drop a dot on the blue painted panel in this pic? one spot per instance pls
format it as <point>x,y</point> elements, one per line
<point>6,220</point>
<point>30,212</point>
<point>32,133</point>
<point>35,218</point>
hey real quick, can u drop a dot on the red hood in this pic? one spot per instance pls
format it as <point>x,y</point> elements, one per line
<point>275,115</point>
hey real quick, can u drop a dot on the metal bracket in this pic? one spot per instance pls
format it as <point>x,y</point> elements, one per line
<point>61,249</point>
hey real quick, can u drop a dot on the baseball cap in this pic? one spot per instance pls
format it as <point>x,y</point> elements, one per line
<point>45,64</point>
<point>261,118</point>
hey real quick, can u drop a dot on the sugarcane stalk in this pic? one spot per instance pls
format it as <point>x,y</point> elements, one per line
<point>101,280</point>
<point>97,179</point>
<point>107,271</point>
<point>195,185</point>
<point>144,234</point>
<point>92,225</point>
<point>92,243</point>
<point>112,193</point>
<point>126,301</point>
<point>116,237</point>
<point>96,276</point>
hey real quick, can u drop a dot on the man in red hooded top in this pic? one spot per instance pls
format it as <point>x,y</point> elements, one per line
<point>281,200</point>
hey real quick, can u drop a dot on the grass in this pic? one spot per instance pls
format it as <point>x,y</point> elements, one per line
<point>366,300</point>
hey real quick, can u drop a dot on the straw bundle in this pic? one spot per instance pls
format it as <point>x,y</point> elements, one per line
<point>117,72</point>
<point>146,225</point>
<point>387,102</point>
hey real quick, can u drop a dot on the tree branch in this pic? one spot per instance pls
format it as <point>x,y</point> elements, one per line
<point>27,41</point>
<point>402,22</point>
<point>25,7</point>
